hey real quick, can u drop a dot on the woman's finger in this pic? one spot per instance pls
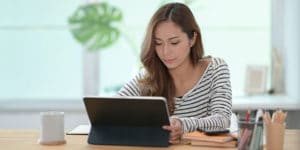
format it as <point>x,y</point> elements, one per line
<point>175,134</point>
<point>174,141</point>
<point>174,137</point>
<point>167,128</point>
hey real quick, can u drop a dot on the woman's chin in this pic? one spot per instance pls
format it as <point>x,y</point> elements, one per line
<point>170,66</point>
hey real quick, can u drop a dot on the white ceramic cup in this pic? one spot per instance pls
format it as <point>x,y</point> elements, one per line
<point>52,128</point>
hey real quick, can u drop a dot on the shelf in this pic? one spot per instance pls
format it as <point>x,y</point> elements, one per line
<point>265,102</point>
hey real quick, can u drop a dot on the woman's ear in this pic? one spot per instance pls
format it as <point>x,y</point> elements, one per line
<point>193,40</point>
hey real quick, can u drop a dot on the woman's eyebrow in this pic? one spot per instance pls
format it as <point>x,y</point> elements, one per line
<point>175,37</point>
<point>171,38</point>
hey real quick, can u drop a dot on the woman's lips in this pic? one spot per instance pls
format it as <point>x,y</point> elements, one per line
<point>169,60</point>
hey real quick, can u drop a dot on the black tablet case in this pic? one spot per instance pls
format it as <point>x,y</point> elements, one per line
<point>132,121</point>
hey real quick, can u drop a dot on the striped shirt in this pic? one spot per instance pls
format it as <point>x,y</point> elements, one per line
<point>207,104</point>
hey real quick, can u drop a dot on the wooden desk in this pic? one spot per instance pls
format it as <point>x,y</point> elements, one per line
<point>27,139</point>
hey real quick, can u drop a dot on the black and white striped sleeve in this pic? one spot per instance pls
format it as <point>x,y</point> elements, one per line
<point>131,88</point>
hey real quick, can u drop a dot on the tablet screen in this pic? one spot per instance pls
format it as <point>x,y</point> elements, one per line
<point>127,111</point>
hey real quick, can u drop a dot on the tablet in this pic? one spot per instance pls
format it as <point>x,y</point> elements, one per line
<point>133,121</point>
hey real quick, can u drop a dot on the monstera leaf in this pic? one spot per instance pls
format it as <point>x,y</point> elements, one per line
<point>94,25</point>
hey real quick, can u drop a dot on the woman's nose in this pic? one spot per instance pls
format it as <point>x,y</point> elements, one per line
<point>166,50</point>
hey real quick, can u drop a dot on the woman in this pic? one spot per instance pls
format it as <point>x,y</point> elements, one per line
<point>197,88</point>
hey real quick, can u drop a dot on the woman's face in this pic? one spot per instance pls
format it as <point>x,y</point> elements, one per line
<point>172,45</point>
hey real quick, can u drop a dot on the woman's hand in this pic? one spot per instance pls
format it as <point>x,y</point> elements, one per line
<point>175,130</point>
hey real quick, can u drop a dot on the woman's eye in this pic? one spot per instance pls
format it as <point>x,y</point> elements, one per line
<point>157,43</point>
<point>174,43</point>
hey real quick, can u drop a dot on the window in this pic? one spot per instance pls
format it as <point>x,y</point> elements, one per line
<point>230,30</point>
<point>40,60</point>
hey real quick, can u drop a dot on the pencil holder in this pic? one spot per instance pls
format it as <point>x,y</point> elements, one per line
<point>250,134</point>
<point>274,136</point>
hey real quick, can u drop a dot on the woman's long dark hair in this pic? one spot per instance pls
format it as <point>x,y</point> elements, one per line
<point>158,81</point>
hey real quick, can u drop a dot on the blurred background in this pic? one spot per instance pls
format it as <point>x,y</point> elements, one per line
<point>44,65</point>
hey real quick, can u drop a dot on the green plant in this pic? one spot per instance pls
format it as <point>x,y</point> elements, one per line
<point>94,25</point>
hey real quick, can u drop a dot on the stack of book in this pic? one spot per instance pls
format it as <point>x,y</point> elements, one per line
<point>202,139</point>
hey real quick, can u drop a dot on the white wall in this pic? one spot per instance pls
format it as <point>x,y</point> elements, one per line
<point>292,47</point>
<point>285,38</point>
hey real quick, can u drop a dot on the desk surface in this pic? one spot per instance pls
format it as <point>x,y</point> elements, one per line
<point>27,139</point>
